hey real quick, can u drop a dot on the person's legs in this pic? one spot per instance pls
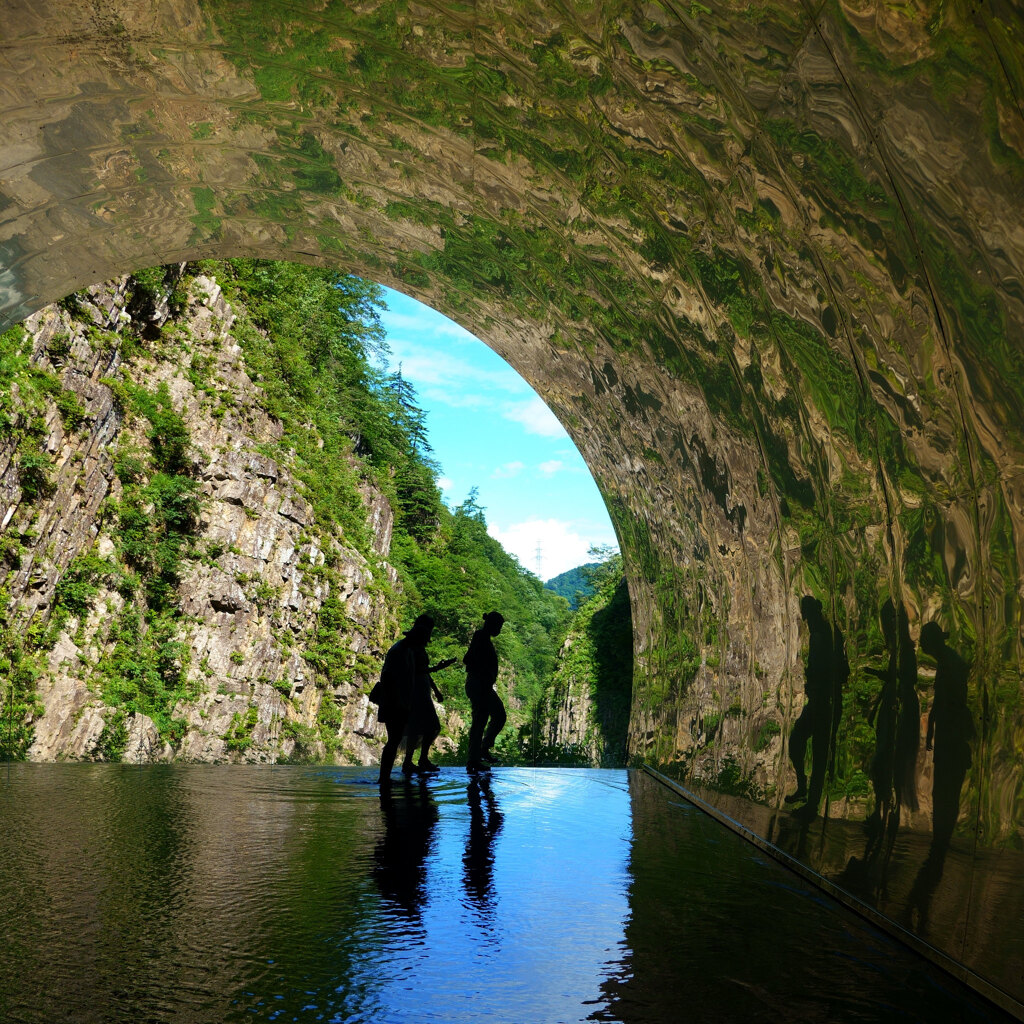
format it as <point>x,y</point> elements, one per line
<point>820,741</point>
<point>476,729</point>
<point>497,719</point>
<point>797,754</point>
<point>387,755</point>
<point>395,726</point>
<point>411,741</point>
<point>428,738</point>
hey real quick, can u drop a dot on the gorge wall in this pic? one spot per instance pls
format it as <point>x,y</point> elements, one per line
<point>763,261</point>
<point>222,666</point>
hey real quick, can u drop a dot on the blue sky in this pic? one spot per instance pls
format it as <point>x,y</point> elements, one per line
<point>490,430</point>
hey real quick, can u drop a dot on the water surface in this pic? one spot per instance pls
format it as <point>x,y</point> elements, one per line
<point>224,893</point>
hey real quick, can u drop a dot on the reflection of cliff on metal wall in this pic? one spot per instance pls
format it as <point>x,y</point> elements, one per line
<point>762,262</point>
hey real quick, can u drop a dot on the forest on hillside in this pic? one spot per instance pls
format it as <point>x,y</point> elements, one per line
<point>311,340</point>
<point>315,341</point>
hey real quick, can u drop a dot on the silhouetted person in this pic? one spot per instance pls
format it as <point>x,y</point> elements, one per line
<point>908,717</point>
<point>815,721</point>
<point>896,715</point>
<point>882,716</point>
<point>485,821</point>
<point>840,676</point>
<point>393,694</point>
<point>423,726</point>
<point>400,854</point>
<point>950,733</point>
<point>489,716</point>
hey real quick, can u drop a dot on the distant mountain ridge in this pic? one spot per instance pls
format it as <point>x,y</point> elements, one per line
<point>573,585</point>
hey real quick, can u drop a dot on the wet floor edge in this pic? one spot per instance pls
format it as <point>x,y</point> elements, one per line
<point>954,968</point>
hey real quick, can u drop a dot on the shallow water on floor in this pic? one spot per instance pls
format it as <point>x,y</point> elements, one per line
<point>223,893</point>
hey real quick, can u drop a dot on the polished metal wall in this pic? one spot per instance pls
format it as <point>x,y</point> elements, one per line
<point>765,263</point>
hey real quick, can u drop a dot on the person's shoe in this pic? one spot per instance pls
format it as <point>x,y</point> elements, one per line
<point>474,767</point>
<point>408,768</point>
<point>426,767</point>
<point>489,757</point>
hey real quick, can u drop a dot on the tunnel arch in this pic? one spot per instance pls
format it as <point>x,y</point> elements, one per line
<point>763,263</point>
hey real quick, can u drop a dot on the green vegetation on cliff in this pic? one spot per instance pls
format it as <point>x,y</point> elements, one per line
<point>583,716</point>
<point>310,340</point>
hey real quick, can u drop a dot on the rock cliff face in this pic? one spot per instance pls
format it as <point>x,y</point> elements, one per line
<point>584,715</point>
<point>252,583</point>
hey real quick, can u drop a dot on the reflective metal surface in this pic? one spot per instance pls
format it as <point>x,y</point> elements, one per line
<point>763,261</point>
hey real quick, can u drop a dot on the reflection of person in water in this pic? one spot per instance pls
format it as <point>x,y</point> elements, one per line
<point>815,723</point>
<point>400,855</point>
<point>485,821</point>
<point>908,718</point>
<point>896,716</point>
<point>481,674</point>
<point>950,733</point>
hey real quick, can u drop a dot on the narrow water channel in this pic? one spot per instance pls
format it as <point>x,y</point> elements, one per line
<point>236,893</point>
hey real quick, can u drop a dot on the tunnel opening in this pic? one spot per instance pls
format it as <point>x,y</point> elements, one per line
<point>222,502</point>
<point>718,244</point>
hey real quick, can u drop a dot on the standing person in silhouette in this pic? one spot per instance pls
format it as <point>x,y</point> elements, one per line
<point>840,677</point>
<point>815,721</point>
<point>481,661</point>
<point>393,693</point>
<point>950,731</point>
<point>423,726</point>
<point>950,734</point>
<point>908,717</point>
<point>882,716</point>
<point>897,718</point>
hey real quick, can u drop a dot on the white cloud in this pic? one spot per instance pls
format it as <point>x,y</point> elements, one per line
<point>562,547</point>
<point>444,483</point>
<point>449,380</point>
<point>551,467</point>
<point>535,417</point>
<point>430,322</point>
<point>509,470</point>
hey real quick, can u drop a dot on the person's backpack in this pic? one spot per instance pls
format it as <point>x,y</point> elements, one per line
<point>385,690</point>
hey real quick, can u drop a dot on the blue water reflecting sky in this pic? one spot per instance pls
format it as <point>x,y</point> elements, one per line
<point>529,936</point>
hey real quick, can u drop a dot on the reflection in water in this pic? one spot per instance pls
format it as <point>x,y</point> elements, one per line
<point>193,894</point>
<point>485,820</point>
<point>400,857</point>
<point>950,734</point>
<point>896,716</point>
